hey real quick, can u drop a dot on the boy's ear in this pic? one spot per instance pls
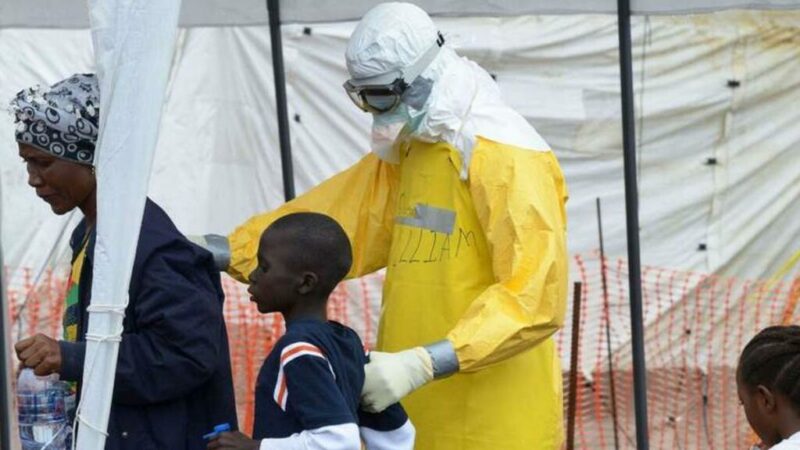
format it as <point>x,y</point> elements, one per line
<point>308,282</point>
<point>765,398</point>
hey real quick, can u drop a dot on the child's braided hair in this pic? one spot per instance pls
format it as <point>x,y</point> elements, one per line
<point>772,359</point>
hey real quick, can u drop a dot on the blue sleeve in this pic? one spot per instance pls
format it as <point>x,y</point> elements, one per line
<point>178,330</point>
<point>72,354</point>
<point>389,419</point>
<point>312,395</point>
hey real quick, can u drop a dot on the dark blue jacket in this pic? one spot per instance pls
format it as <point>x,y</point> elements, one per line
<point>173,381</point>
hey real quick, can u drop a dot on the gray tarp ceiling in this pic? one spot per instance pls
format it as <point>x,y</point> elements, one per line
<point>73,13</point>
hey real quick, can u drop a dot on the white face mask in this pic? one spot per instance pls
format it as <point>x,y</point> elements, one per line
<point>386,127</point>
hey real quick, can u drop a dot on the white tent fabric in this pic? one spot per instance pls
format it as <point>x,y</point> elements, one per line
<point>217,160</point>
<point>72,13</point>
<point>310,10</point>
<point>133,65</point>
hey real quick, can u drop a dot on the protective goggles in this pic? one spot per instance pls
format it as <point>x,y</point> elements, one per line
<point>382,93</point>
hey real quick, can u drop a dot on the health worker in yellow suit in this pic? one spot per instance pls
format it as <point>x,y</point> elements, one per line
<point>463,203</point>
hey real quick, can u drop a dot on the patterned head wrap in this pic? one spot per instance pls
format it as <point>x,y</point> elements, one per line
<point>61,121</point>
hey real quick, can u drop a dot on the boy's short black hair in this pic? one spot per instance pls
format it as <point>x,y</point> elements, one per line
<point>318,244</point>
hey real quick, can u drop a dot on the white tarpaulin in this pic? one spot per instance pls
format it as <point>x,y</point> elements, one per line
<point>718,162</point>
<point>72,13</point>
<point>132,52</point>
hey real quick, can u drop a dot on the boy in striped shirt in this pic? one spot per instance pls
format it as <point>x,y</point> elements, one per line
<point>308,389</point>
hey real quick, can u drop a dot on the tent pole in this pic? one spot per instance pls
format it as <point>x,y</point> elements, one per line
<point>572,406</point>
<point>632,218</point>
<point>607,314</point>
<point>5,386</point>
<point>273,9</point>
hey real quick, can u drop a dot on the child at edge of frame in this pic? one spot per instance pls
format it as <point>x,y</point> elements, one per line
<point>768,385</point>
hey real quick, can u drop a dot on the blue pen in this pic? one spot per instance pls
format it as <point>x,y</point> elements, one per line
<point>218,429</point>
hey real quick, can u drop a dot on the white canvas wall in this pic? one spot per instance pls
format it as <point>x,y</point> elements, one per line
<point>217,160</point>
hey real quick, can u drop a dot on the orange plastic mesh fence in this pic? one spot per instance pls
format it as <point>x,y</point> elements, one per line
<point>695,326</point>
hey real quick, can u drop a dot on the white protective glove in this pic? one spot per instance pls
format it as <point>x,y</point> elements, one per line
<point>391,376</point>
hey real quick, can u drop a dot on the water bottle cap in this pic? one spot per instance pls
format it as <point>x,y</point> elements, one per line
<point>221,428</point>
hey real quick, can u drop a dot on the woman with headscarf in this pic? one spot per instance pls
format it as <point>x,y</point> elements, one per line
<point>173,379</point>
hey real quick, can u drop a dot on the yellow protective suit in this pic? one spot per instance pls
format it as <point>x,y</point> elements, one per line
<point>495,285</point>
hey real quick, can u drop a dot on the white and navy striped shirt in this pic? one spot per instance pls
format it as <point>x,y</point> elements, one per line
<point>308,392</point>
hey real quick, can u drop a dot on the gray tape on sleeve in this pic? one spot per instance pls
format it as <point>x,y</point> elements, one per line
<point>219,247</point>
<point>443,357</point>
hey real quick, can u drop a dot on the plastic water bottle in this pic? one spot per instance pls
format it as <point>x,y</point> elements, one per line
<point>42,412</point>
